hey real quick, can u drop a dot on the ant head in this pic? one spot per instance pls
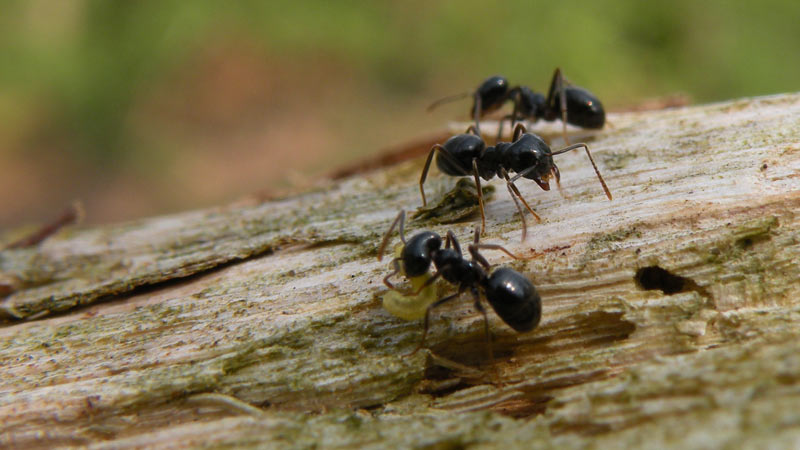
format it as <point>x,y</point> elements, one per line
<point>531,157</point>
<point>553,173</point>
<point>544,182</point>
<point>492,93</point>
<point>417,252</point>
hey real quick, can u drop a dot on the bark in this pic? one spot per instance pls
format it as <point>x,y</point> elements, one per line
<point>670,315</point>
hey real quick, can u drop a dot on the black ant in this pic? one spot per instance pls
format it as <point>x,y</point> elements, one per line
<point>512,296</point>
<point>528,155</point>
<point>572,104</point>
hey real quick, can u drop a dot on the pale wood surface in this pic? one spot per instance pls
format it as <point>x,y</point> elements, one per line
<point>278,305</point>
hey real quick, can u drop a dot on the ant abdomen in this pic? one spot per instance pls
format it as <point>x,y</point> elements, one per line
<point>463,148</point>
<point>514,298</point>
<point>492,93</point>
<point>585,110</point>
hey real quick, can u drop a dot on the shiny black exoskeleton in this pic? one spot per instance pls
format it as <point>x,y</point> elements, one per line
<point>512,296</point>
<point>571,104</point>
<point>417,252</point>
<point>528,155</point>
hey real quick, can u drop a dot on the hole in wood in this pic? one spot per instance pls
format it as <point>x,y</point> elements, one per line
<point>656,278</point>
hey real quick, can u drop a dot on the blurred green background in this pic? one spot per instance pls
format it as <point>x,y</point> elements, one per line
<point>145,107</point>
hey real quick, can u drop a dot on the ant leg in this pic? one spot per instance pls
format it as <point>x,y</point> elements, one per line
<point>428,282</point>
<point>452,238</point>
<point>480,192</point>
<point>400,218</point>
<point>516,203</point>
<point>557,84</point>
<point>500,129</point>
<point>427,318</point>
<point>520,128</point>
<point>425,172</point>
<point>477,112</point>
<point>586,147</point>
<point>480,308</point>
<point>512,188</point>
<point>424,176</point>
<point>500,126</point>
<point>473,250</point>
<point>476,256</point>
<point>515,96</point>
<point>477,247</point>
<point>473,130</point>
<point>519,210</point>
<point>396,266</point>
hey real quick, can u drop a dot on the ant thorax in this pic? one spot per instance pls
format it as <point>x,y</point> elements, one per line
<point>490,160</point>
<point>530,104</point>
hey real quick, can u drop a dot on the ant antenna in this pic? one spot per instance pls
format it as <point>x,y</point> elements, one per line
<point>586,147</point>
<point>557,176</point>
<point>564,150</point>
<point>401,217</point>
<point>448,99</point>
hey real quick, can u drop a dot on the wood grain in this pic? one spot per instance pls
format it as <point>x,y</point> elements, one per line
<point>112,332</point>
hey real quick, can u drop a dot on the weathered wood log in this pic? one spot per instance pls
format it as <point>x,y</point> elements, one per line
<point>671,315</point>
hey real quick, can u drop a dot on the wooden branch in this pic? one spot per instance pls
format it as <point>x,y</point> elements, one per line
<point>671,315</point>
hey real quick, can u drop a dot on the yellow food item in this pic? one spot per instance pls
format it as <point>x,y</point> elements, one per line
<point>410,307</point>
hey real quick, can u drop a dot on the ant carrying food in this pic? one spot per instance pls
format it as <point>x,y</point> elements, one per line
<point>572,104</point>
<point>528,155</point>
<point>512,296</point>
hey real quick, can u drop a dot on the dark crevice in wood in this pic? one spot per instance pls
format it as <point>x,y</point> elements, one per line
<point>653,278</point>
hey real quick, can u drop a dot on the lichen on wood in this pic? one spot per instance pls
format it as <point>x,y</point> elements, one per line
<point>270,313</point>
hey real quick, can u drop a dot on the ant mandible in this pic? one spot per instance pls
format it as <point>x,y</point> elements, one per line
<point>572,104</point>
<point>512,296</point>
<point>528,155</point>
